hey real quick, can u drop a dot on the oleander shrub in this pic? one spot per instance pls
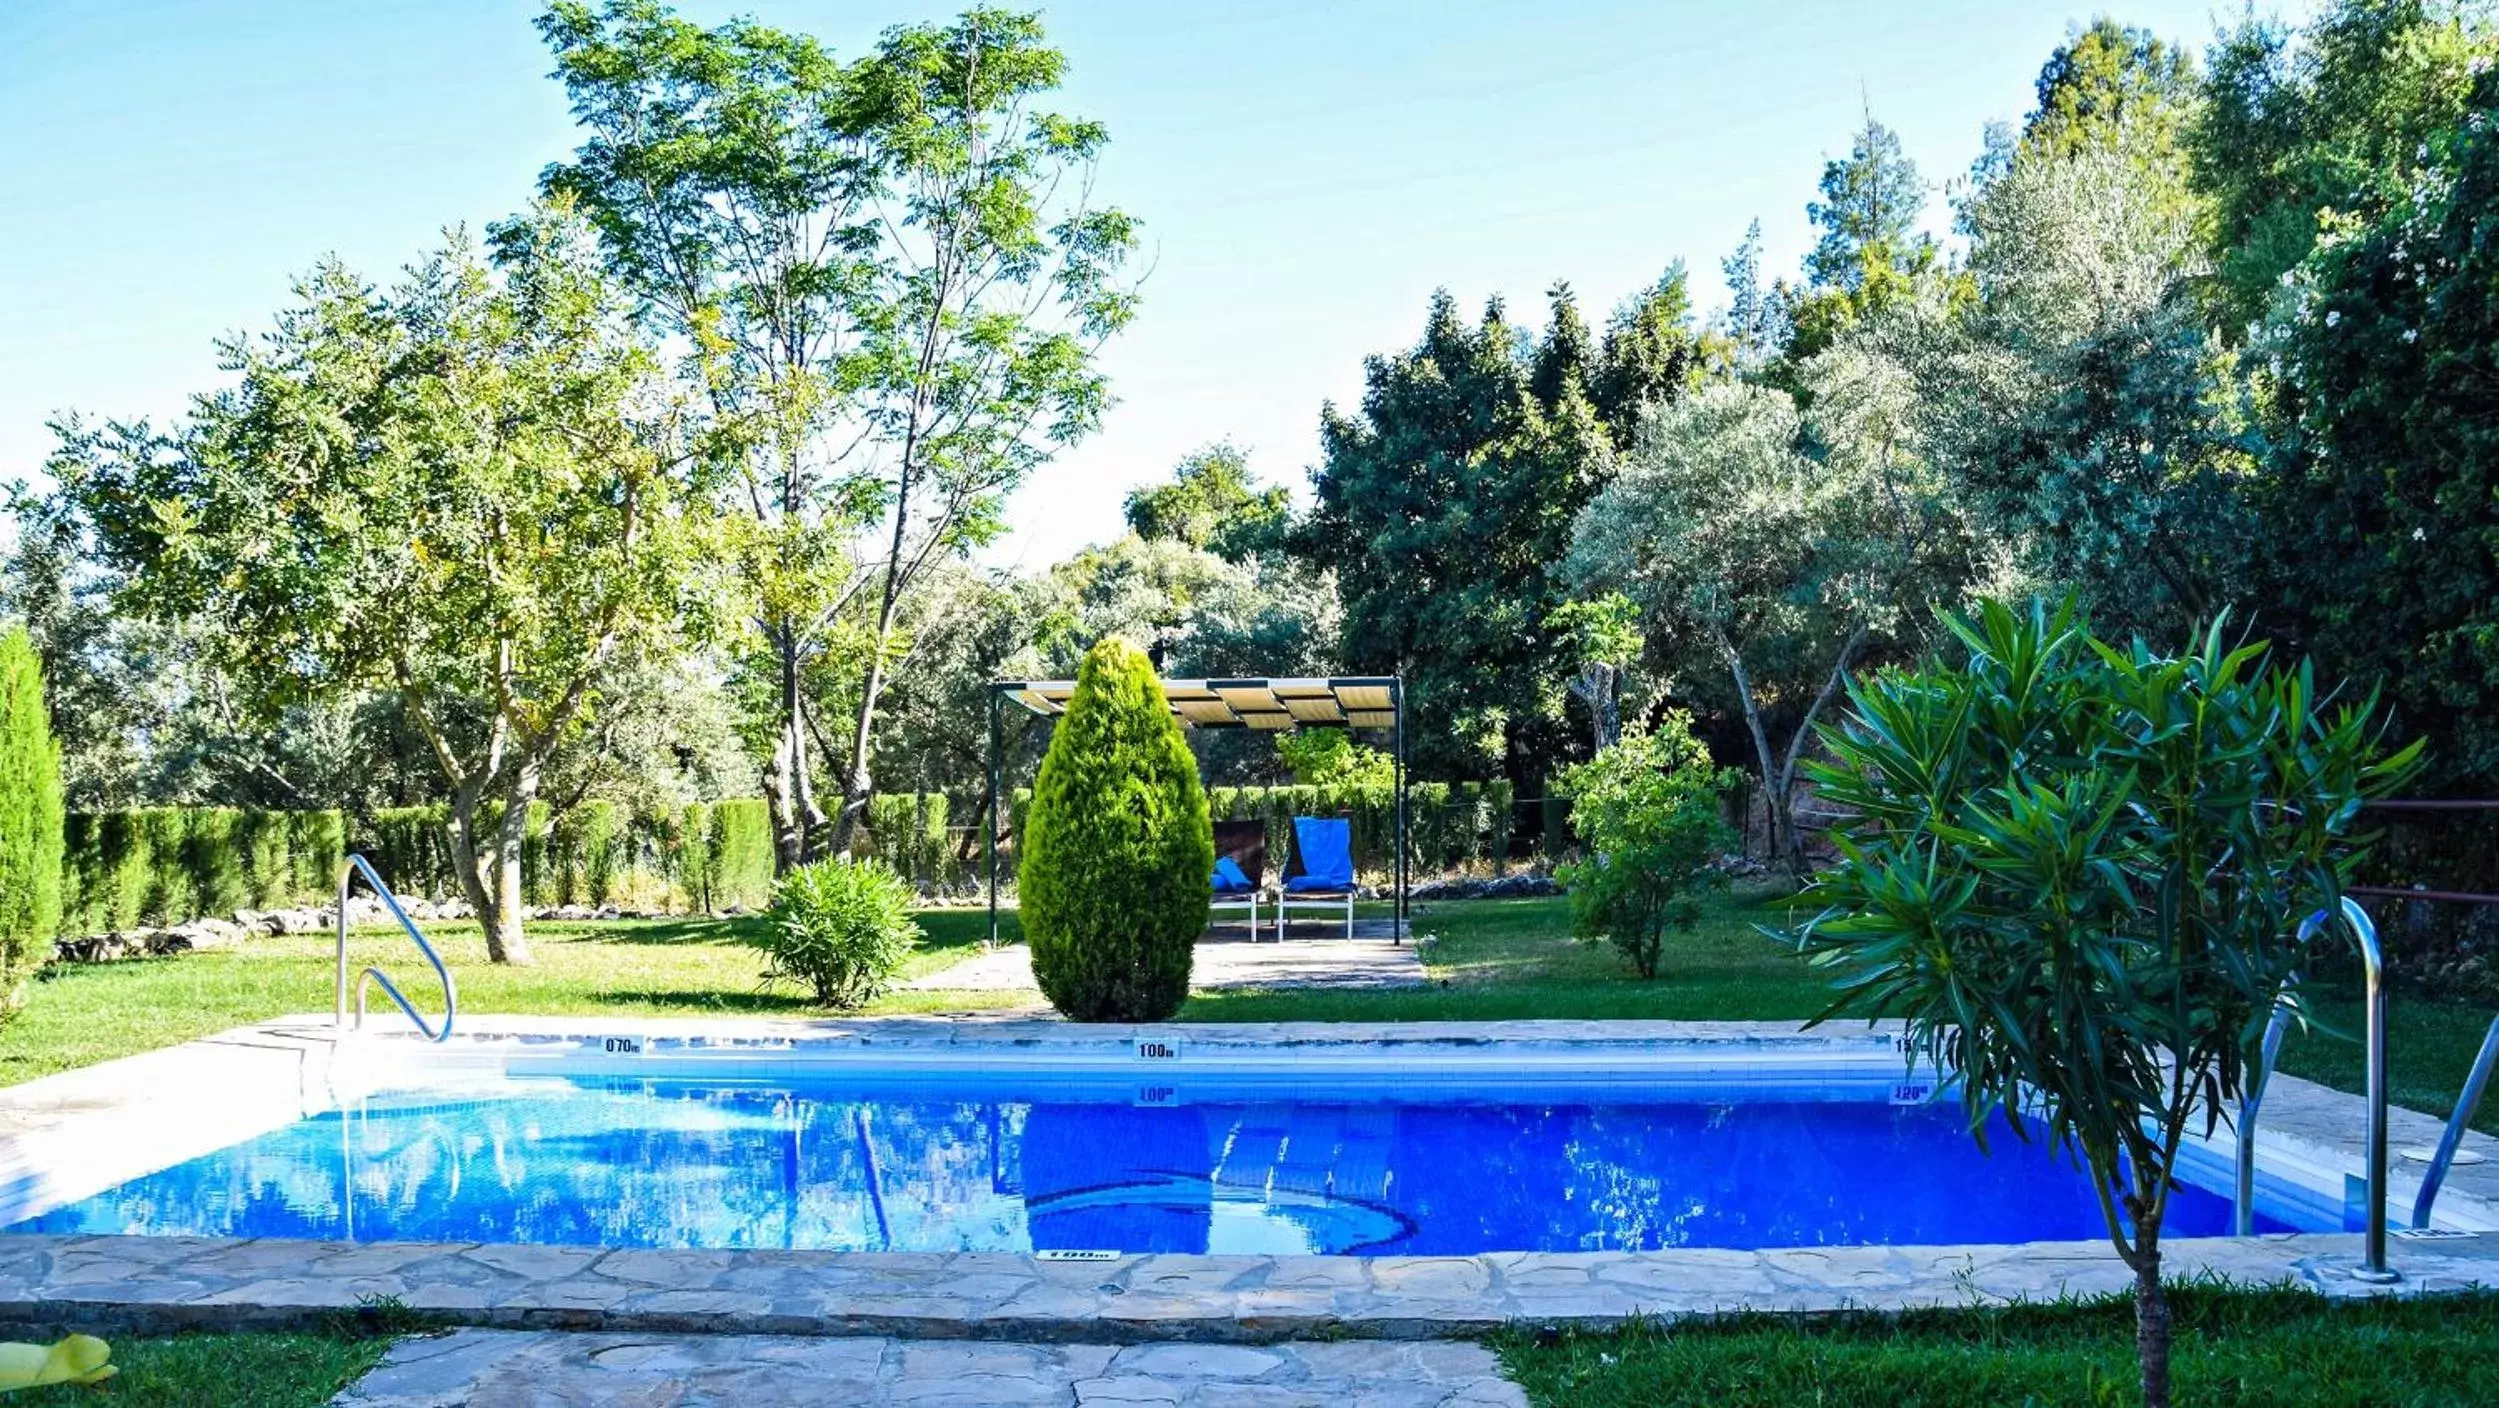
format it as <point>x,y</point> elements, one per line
<point>30,821</point>
<point>2079,871</point>
<point>840,928</point>
<point>1116,850</point>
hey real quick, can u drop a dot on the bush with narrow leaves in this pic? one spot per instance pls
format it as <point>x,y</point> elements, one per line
<point>2079,872</point>
<point>840,928</point>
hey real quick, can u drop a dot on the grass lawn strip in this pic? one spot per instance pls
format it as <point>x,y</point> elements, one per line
<point>2235,1349</point>
<point>244,1370</point>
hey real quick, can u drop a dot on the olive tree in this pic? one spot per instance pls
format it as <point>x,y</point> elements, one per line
<point>2079,871</point>
<point>1772,547</point>
<point>472,490</point>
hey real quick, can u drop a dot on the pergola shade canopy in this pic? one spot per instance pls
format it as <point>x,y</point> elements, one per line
<point>1268,705</point>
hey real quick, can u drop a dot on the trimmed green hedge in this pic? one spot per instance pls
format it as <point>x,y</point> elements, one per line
<point>702,857</point>
<point>164,865</point>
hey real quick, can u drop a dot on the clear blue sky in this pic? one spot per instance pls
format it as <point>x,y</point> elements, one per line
<point>1308,173</point>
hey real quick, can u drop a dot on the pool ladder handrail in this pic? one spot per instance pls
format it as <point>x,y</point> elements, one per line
<point>2475,1083</point>
<point>358,865</point>
<point>2373,1265</point>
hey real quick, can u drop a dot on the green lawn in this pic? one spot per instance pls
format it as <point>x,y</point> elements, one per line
<point>1501,959</point>
<point>79,1014</point>
<point>2234,1349</point>
<point>229,1371</point>
<point>1495,959</point>
<point>1488,959</point>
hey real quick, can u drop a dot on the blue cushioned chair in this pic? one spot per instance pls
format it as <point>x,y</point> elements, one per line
<point>1240,867</point>
<point>1319,875</point>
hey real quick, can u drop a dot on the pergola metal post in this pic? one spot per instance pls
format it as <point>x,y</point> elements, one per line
<point>992,823</point>
<point>1397,702</point>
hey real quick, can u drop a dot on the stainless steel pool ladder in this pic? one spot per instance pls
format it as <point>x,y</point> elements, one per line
<point>2373,964</point>
<point>357,865</point>
<point>2457,1123</point>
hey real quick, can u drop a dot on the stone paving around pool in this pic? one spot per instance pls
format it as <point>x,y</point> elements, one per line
<point>1290,963</point>
<point>161,1284</point>
<point>523,1369</point>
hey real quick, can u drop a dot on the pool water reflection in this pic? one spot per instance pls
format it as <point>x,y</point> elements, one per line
<point>935,1165</point>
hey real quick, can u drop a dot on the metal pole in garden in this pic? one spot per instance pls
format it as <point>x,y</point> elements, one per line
<point>1397,697</point>
<point>992,823</point>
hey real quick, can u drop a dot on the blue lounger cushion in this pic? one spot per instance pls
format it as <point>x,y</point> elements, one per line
<point>1324,847</point>
<point>1230,879</point>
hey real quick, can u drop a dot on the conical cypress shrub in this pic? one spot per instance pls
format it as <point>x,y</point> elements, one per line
<point>30,821</point>
<point>1117,849</point>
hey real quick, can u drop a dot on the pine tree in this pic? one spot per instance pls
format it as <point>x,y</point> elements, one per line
<point>30,821</point>
<point>1652,354</point>
<point>1116,850</point>
<point>1868,214</point>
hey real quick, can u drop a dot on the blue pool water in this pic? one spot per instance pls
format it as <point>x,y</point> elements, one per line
<point>942,1164</point>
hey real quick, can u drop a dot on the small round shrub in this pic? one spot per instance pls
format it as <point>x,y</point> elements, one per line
<point>840,928</point>
<point>1117,849</point>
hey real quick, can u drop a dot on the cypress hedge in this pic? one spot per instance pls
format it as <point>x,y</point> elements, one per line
<point>30,821</point>
<point>1117,849</point>
<point>166,865</point>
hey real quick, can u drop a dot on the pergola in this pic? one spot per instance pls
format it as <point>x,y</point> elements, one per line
<point>1362,702</point>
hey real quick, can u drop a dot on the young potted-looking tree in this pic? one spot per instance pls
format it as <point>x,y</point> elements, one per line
<point>2080,873</point>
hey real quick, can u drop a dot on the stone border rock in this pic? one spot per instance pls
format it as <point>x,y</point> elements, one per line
<point>166,1284</point>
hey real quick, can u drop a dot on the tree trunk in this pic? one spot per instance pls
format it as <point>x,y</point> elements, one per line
<point>789,789</point>
<point>1600,687</point>
<point>1774,801</point>
<point>1610,708</point>
<point>1785,788</point>
<point>2152,1328</point>
<point>485,876</point>
<point>504,943</point>
<point>860,785</point>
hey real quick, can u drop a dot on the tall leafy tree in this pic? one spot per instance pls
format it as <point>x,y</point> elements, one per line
<point>2114,87</point>
<point>30,821</point>
<point>2385,482</point>
<point>2081,403</point>
<point>2327,117</point>
<point>1871,253</point>
<point>1770,551</point>
<point>893,286</point>
<point>1653,353</point>
<point>1441,505</point>
<point>731,174</point>
<point>472,491</point>
<point>1868,215</point>
<point>997,283</point>
<point>1212,501</point>
<point>1754,322</point>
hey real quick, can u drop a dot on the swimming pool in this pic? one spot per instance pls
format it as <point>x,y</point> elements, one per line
<point>1068,1162</point>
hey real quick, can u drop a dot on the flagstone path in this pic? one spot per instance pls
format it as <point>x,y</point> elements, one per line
<point>1359,962</point>
<point>553,1369</point>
